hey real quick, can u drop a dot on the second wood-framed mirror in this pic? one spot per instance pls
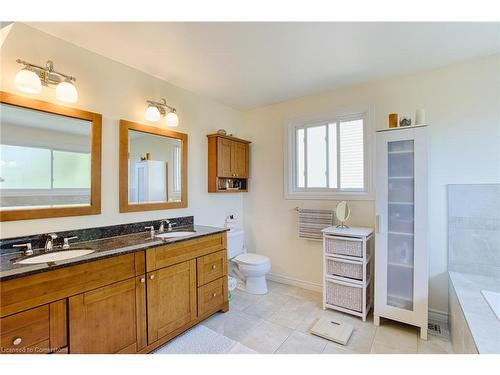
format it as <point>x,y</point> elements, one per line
<point>153,168</point>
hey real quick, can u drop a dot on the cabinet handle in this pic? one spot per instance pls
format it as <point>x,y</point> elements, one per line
<point>17,341</point>
<point>377,223</point>
<point>214,267</point>
<point>151,277</point>
<point>143,279</point>
<point>214,295</point>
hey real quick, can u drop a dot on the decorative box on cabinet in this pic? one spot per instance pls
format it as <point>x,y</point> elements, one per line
<point>401,265</point>
<point>347,270</point>
<point>228,170</point>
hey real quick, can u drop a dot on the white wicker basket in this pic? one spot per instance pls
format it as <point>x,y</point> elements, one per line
<point>340,267</point>
<point>344,247</point>
<point>346,296</point>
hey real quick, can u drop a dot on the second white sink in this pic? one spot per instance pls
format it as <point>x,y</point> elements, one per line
<point>55,256</point>
<point>174,234</point>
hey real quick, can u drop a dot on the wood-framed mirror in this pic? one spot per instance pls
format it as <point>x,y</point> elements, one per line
<point>50,159</point>
<point>153,168</point>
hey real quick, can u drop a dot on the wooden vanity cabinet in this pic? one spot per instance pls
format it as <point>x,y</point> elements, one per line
<point>130,303</point>
<point>108,319</point>
<point>171,299</point>
<point>227,161</point>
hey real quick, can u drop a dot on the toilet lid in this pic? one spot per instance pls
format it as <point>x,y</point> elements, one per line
<point>251,259</point>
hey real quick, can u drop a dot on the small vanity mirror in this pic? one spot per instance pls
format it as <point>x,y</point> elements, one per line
<point>49,160</point>
<point>342,212</point>
<point>153,167</point>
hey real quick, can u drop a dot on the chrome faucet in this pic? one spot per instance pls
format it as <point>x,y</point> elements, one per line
<point>49,244</point>
<point>151,231</point>
<point>28,250</point>
<point>66,242</point>
<point>162,226</point>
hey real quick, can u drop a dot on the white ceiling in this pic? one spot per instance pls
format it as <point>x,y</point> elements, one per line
<point>246,65</point>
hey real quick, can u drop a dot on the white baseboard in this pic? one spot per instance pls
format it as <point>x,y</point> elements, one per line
<point>438,315</point>
<point>295,282</point>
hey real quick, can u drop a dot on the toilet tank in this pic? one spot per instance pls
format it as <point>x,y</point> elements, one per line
<point>235,242</point>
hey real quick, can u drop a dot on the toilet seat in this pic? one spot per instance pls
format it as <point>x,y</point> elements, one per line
<point>251,259</point>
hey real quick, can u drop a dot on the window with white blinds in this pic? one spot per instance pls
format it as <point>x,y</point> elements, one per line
<point>328,156</point>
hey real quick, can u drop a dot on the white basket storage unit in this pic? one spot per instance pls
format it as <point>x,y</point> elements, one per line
<point>348,270</point>
<point>401,264</point>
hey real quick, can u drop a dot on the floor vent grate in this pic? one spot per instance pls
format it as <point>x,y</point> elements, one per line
<point>439,329</point>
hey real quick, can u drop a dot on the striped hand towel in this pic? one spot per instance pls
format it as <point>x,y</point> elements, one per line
<point>311,222</point>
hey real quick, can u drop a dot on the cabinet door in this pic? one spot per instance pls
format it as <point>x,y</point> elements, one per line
<point>401,257</point>
<point>171,298</point>
<point>104,320</point>
<point>224,168</point>
<point>239,154</point>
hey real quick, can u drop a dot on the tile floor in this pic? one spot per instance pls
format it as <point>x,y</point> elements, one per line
<point>279,322</point>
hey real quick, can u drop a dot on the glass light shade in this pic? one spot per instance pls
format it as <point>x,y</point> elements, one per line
<point>172,119</point>
<point>66,92</point>
<point>28,81</point>
<point>152,113</point>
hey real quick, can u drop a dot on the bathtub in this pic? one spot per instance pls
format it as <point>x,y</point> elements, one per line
<point>474,325</point>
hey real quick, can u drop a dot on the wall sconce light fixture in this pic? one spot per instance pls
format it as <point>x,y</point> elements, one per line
<point>31,78</point>
<point>157,109</point>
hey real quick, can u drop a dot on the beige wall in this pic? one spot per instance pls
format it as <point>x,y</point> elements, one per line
<point>119,92</point>
<point>462,103</point>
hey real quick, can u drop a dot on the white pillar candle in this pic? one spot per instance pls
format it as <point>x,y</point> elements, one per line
<point>420,117</point>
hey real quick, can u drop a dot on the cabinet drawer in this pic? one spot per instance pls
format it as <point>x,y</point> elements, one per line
<point>344,246</point>
<point>26,332</point>
<point>174,253</point>
<point>42,288</point>
<point>211,296</point>
<point>211,267</point>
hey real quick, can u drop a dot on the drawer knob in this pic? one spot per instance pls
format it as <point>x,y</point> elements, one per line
<point>214,266</point>
<point>143,279</point>
<point>151,277</point>
<point>17,341</point>
<point>214,295</point>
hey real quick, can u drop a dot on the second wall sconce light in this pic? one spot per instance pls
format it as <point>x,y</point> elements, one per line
<point>157,109</point>
<point>31,78</point>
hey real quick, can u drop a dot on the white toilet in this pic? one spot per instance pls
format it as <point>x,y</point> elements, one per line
<point>252,268</point>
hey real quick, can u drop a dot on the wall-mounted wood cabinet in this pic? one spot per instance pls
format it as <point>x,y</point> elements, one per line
<point>227,164</point>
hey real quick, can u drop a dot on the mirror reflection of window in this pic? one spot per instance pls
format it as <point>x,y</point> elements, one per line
<point>154,168</point>
<point>44,159</point>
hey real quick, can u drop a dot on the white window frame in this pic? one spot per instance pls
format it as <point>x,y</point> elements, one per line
<point>176,166</point>
<point>292,191</point>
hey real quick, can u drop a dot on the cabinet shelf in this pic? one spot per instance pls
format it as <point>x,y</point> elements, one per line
<point>401,265</point>
<point>401,152</point>
<point>401,233</point>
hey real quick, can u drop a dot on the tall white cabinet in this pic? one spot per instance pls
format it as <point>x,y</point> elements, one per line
<point>401,260</point>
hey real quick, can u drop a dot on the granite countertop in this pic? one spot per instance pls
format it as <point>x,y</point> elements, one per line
<point>482,321</point>
<point>103,248</point>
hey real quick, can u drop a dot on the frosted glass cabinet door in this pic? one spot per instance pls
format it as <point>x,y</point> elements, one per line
<point>401,265</point>
<point>400,223</point>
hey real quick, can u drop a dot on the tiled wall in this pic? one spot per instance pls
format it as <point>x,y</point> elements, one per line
<point>474,229</point>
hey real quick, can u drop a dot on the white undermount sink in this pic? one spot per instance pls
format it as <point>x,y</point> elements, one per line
<point>56,256</point>
<point>174,234</point>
